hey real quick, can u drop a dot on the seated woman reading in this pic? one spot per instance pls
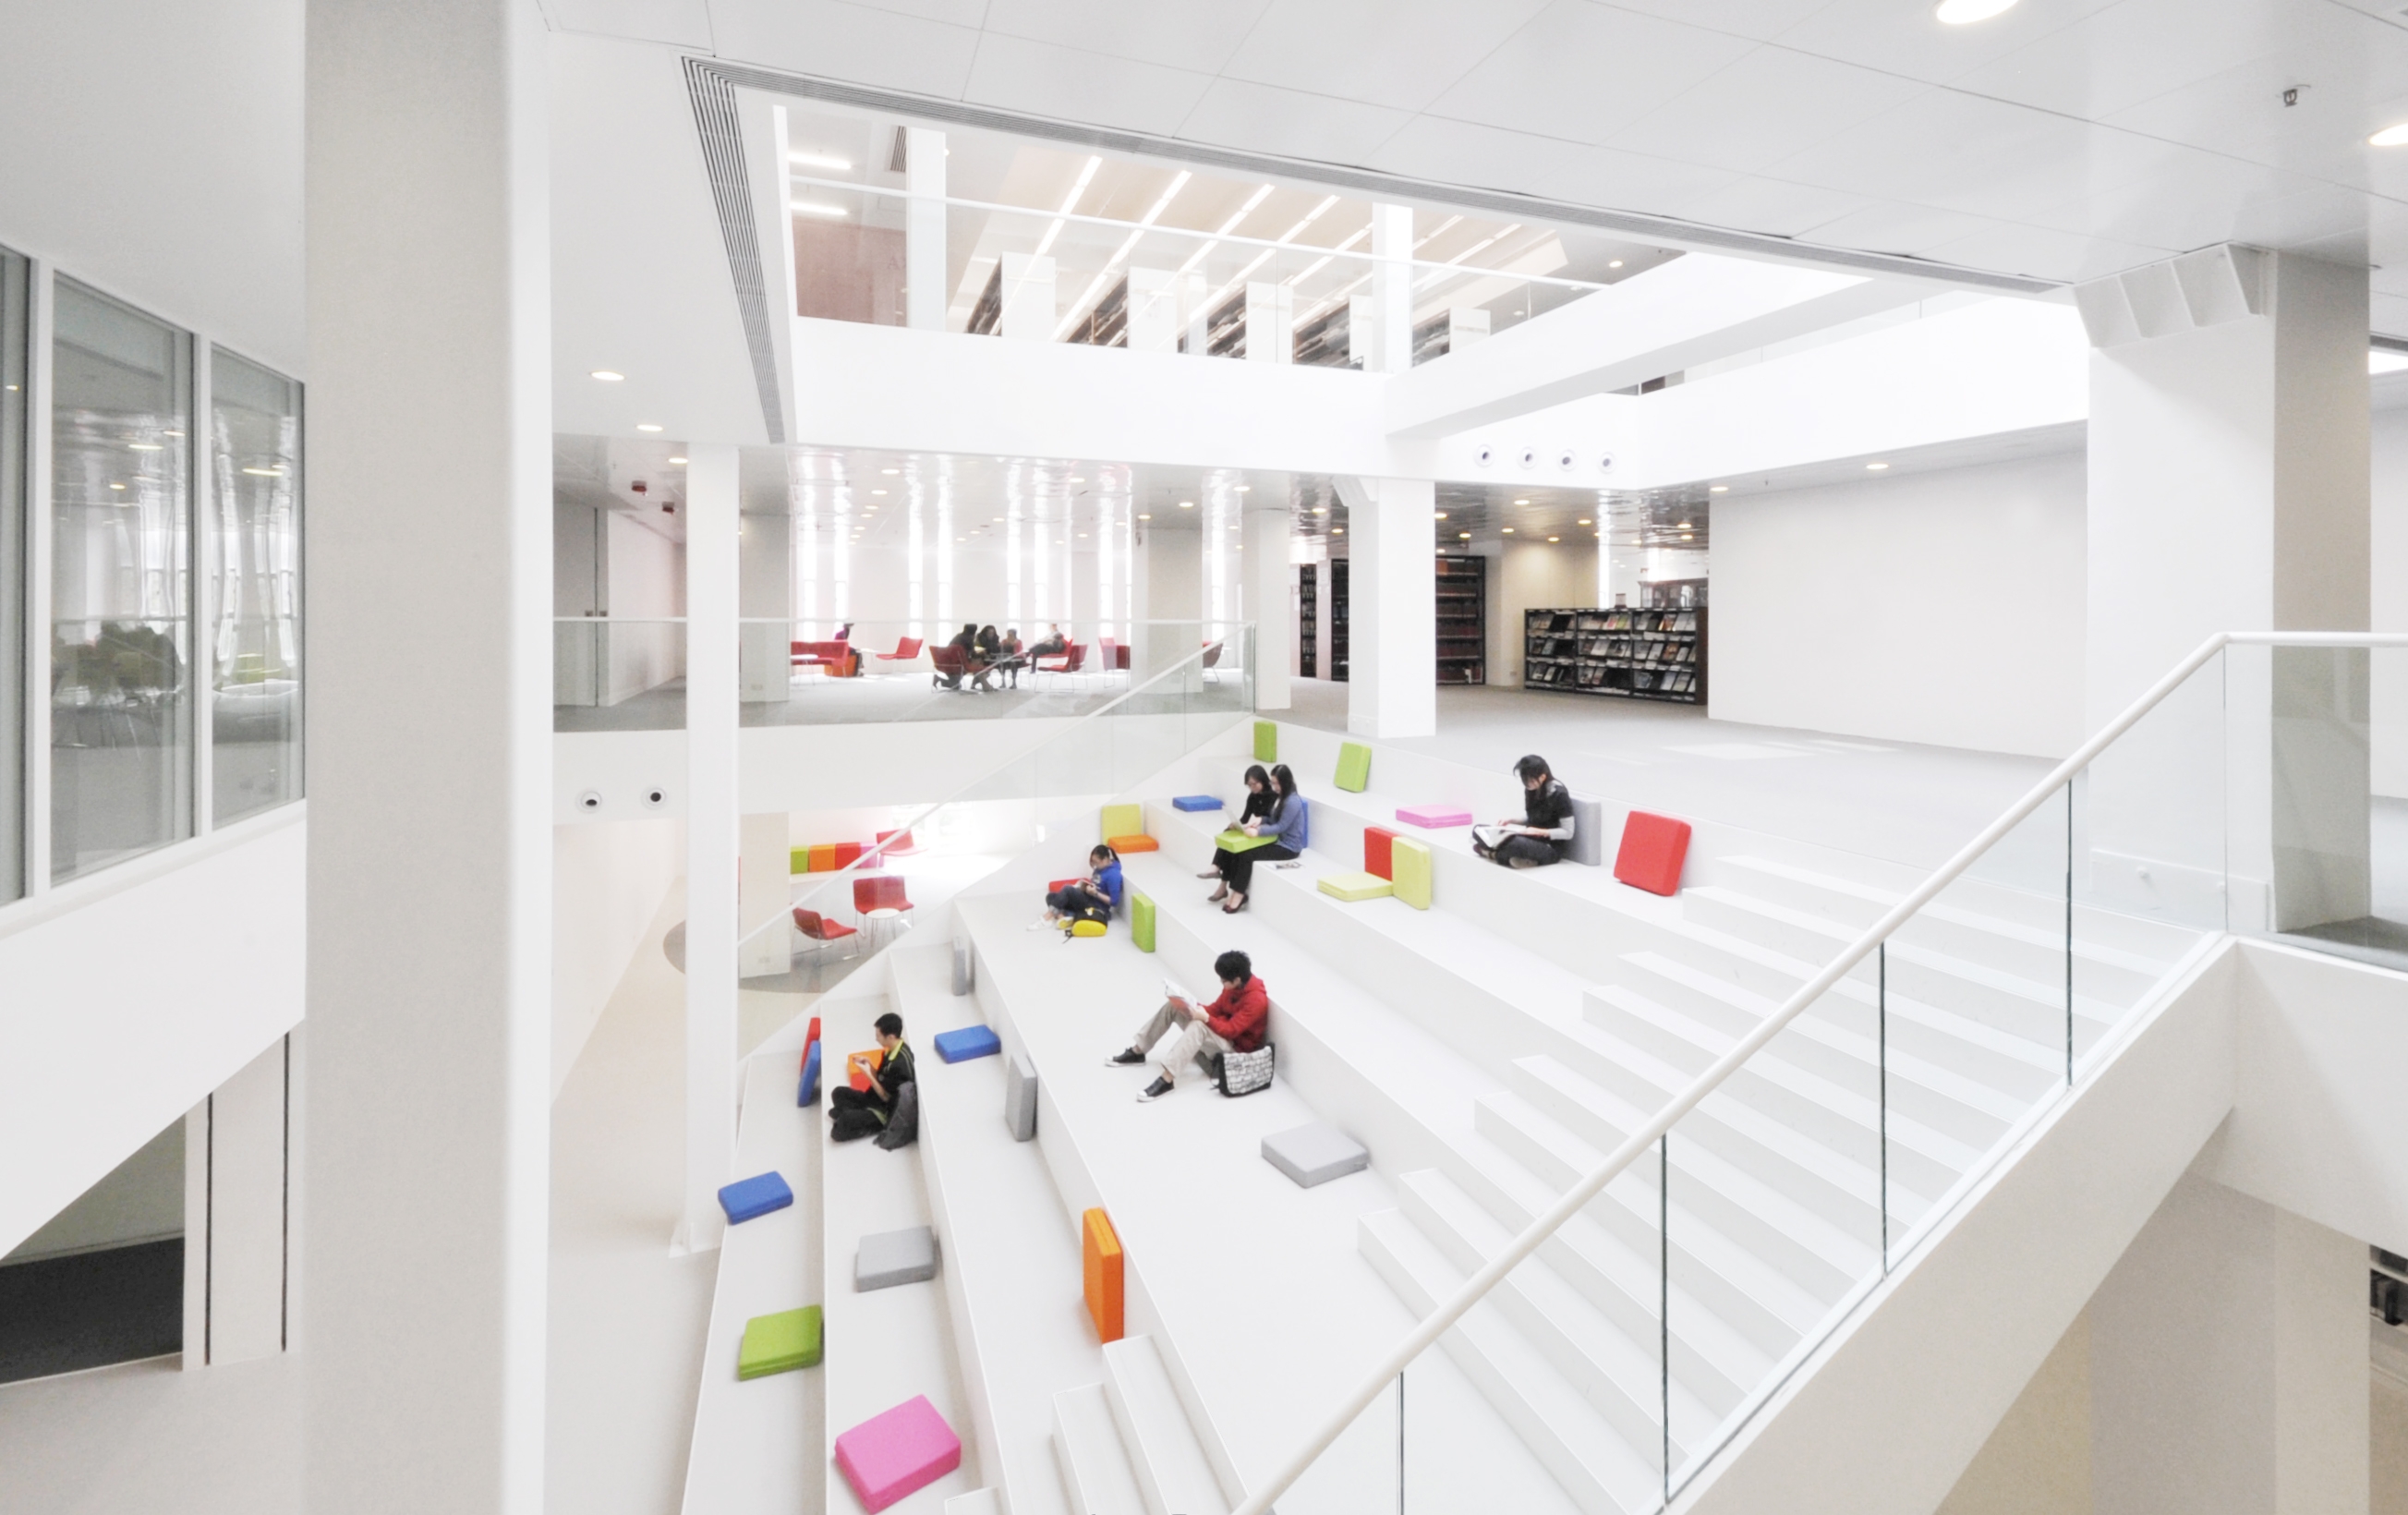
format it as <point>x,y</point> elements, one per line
<point>1235,1022</point>
<point>1544,833</point>
<point>1287,826</point>
<point>854,1112</point>
<point>1259,803</point>
<point>1095,897</point>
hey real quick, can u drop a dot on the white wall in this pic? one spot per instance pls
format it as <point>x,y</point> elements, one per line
<point>1943,607</point>
<point>607,881</point>
<point>1525,575</point>
<point>132,995</point>
<point>142,1199</point>
<point>158,155</point>
<point>647,581</point>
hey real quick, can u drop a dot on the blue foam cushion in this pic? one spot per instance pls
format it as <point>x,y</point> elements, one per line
<point>809,1091</point>
<point>1196,802</point>
<point>968,1043</point>
<point>749,1199</point>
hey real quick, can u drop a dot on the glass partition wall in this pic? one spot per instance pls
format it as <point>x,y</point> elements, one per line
<point>121,582</point>
<point>254,562</point>
<point>15,330</point>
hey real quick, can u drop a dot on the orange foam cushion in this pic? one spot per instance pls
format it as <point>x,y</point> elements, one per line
<point>1100,1251</point>
<point>822,857</point>
<point>1132,844</point>
<point>859,1066</point>
<point>1379,852</point>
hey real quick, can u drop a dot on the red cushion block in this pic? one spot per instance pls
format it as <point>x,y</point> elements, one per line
<point>1379,852</point>
<point>848,853</point>
<point>1654,847</point>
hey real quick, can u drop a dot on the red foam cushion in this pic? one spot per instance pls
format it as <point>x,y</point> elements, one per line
<point>848,852</point>
<point>1379,852</point>
<point>1654,847</point>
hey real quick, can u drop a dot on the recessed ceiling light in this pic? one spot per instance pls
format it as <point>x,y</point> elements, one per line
<point>1074,479</point>
<point>813,207</point>
<point>606,376</point>
<point>678,461</point>
<point>1463,536</point>
<point>1083,536</point>
<point>1875,468</point>
<point>646,426</point>
<point>821,160</point>
<point>265,473</point>
<point>2389,136</point>
<point>117,487</point>
<point>1719,489</point>
<point>1242,488</point>
<point>1441,515</point>
<point>1508,531</point>
<point>877,492</point>
<point>142,447</point>
<point>1521,502</point>
<point>1583,521</point>
<point>1186,504</point>
<point>890,472</point>
<point>1145,517</point>
<point>1684,536</point>
<point>1338,531</point>
<point>1615,264</point>
<point>1966,12</point>
<point>1554,538</point>
<point>998,520</point>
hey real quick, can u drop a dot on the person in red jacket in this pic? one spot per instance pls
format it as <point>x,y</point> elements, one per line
<point>1232,1023</point>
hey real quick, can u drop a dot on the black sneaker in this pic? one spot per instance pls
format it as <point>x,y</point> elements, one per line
<point>1127,1056</point>
<point>1154,1091</point>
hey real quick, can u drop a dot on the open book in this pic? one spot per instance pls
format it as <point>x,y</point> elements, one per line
<point>1491,837</point>
<point>1170,990</point>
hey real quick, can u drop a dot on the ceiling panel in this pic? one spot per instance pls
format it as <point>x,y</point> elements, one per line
<point>1773,207</point>
<point>1457,152</point>
<point>2130,52</point>
<point>1894,227</point>
<point>1634,182</point>
<point>1762,20</point>
<point>870,44</point>
<point>1236,113</point>
<point>1763,107</point>
<point>1200,35</point>
<point>1046,79</point>
<point>1581,71</point>
<point>1379,51</point>
<point>1904,37</point>
<point>2043,254</point>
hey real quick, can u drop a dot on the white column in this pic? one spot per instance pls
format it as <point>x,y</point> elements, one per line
<point>1029,312</point>
<point>762,896</point>
<point>2228,492</point>
<point>1392,594</point>
<point>711,841</point>
<point>1270,595</point>
<point>1270,323</point>
<point>235,1221</point>
<point>925,296</point>
<point>1172,603</point>
<point>1391,346</point>
<point>428,1151</point>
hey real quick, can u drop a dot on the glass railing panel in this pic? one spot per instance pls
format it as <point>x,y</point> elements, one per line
<point>618,674</point>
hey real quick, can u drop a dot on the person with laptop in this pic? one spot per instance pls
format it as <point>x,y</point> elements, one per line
<point>1235,1021</point>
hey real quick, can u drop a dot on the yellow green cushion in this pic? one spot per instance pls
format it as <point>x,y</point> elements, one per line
<point>1266,741</point>
<point>1123,820</point>
<point>1354,768</point>
<point>798,861</point>
<point>1142,919</point>
<point>1410,861</point>
<point>779,1343</point>
<point>1352,887</point>
<point>1234,840</point>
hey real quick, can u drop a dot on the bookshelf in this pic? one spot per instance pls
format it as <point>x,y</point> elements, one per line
<point>1633,654</point>
<point>1308,621</point>
<point>1338,617</point>
<point>1462,620</point>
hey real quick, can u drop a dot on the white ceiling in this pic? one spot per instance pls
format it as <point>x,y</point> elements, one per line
<point>2065,139</point>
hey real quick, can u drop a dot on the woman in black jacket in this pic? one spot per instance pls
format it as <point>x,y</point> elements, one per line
<point>1260,804</point>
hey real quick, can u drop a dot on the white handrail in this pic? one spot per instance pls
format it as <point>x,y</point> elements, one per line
<point>1474,1287</point>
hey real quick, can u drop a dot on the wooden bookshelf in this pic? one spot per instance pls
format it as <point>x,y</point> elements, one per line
<point>1462,620</point>
<point>1633,654</point>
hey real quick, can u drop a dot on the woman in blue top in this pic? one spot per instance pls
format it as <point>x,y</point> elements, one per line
<point>1288,827</point>
<point>1095,897</point>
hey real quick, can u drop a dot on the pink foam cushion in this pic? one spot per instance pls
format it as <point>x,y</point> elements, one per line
<point>1433,818</point>
<point>1652,850</point>
<point>899,1452</point>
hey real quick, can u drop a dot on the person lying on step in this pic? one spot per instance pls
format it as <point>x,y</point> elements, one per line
<point>1235,1022</point>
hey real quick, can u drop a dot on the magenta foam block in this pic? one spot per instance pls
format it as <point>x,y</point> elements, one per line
<point>896,1454</point>
<point>1433,818</point>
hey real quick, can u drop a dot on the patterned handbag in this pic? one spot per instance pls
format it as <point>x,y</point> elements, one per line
<point>1244,1072</point>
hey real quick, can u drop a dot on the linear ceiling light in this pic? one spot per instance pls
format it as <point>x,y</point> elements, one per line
<point>2389,136</point>
<point>1080,306</point>
<point>606,376</point>
<point>813,207</point>
<point>1226,227</point>
<point>1070,203</point>
<point>1966,12</point>
<point>821,160</point>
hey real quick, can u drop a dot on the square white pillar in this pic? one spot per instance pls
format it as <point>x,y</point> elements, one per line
<point>1270,323</point>
<point>712,837</point>
<point>1028,299</point>
<point>237,1223</point>
<point>1270,593</point>
<point>1392,590</point>
<point>925,295</point>
<point>1391,343</point>
<point>763,890</point>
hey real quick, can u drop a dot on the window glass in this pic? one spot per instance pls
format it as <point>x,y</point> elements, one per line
<point>120,590</point>
<point>255,566</point>
<point>14,328</point>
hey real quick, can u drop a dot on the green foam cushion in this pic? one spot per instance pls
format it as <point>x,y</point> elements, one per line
<point>1410,865</point>
<point>779,1343</point>
<point>1123,820</point>
<point>1266,741</point>
<point>1354,768</point>
<point>798,860</point>
<point>1352,887</point>
<point>1141,920</point>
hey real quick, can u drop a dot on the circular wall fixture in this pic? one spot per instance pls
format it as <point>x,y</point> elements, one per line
<point>1484,456</point>
<point>590,800</point>
<point>1569,460</point>
<point>1605,463</point>
<point>655,797</point>
<point>1529,458</point>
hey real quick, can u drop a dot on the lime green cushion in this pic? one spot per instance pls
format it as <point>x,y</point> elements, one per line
<point>798,861</point>
<point>1266,741</point>
<point>1123,820</point>
<point>1238,841</point>
<point>1352,887</point>
<point>1410,862</point>
<point>779,1343</point>
<point>1354,767</point>
<point>1141,920</point>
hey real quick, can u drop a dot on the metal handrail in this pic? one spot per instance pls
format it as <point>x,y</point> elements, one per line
<point>1475,1288</point>
<point>872,854</point>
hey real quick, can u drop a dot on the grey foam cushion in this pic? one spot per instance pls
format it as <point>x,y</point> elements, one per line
<point>1588,833</point>
<point>1019,1097</point>
<point>895,1257</point>
<point>1314,1154</point>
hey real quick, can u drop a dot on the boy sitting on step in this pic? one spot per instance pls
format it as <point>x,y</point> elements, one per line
<point>854,1112</point>
<point>1232,1023</point>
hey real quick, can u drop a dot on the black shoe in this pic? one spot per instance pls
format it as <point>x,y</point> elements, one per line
<point>1154,1091</point>
<point>1128,1058</point>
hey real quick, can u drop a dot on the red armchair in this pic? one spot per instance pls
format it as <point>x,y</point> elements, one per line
<point>952,664</point>
<point>906,650</point>
<point>820,929</point>
<point>879,891</point>
<point>839,658</point>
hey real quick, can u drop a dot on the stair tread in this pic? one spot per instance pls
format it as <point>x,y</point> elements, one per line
<point>1095,1463</point>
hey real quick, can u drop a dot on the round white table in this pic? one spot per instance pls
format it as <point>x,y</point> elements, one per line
<point>881,921</point>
